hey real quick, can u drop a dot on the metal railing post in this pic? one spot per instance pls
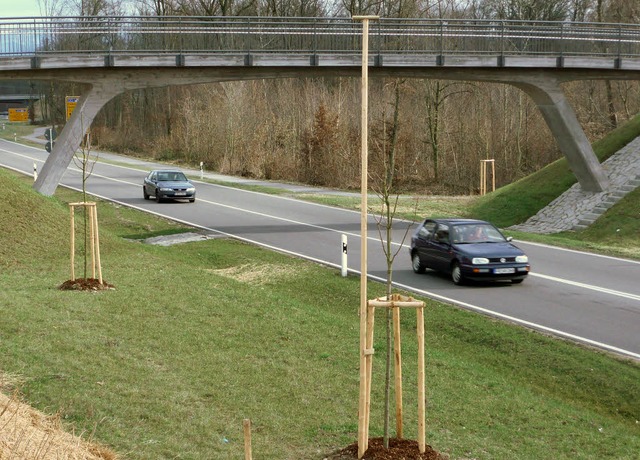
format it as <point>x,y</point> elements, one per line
<point>379,38</point>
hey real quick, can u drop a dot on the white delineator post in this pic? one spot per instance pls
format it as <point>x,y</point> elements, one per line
<point>344,256</point>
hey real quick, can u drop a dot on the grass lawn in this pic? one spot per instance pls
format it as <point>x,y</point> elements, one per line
<point>199,336</point>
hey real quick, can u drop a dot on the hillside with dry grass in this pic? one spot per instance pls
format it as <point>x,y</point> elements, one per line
<point>28,434</point>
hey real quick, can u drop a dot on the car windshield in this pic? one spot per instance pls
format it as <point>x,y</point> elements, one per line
<point>171,176</point>
<point>477,233</point>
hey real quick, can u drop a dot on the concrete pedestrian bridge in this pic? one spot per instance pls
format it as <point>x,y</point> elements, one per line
<point>116,54</point>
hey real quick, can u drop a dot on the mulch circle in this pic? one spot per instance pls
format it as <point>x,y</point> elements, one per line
<point>399,449</point>
<point>85,284</point>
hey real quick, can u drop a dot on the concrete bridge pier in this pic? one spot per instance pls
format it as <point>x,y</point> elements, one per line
<point>69,140</point>
<point>564,125</point>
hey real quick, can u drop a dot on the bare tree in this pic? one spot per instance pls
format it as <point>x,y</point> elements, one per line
<point>527,10</point>
<point>387,144</point>
<point>52,8</point>
<point>435,96</point>
<point>83,161</point>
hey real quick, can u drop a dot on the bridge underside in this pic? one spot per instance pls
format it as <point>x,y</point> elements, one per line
<point>542,85</point>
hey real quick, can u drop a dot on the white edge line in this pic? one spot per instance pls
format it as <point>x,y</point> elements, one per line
<point>521,321</point>
<point>376,278</point>
<point>399,285</point>
<point>575,251</point>
<point>410,222</point>
<point>334,207</point>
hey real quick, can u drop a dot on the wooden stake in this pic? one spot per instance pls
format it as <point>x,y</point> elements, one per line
<point>363,433</point>
<point>89,212</point>
<point>73,244</point>
<point>397,351</point>
<point>483,176</point>
<point>246,426</point>
<point>371,316</point>
<point>97,236</point>
<point>421,380</point>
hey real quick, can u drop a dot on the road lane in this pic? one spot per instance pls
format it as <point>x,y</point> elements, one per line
<point>577,295</point>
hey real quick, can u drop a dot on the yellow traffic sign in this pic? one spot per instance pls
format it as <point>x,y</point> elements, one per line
<point>18,114</point>
<point>70,103</point>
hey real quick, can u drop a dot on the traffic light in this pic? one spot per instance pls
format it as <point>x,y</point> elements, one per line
<point>50,135</point>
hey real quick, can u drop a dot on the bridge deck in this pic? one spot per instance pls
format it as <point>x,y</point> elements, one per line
<point>257,59</point>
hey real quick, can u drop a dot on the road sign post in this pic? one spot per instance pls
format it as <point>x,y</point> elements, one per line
<point>50,135</point>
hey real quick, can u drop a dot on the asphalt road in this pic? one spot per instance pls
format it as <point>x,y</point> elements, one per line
<point>583,297</point>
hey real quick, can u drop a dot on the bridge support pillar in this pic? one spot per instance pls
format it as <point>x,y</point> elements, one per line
<point>69,140</point>
<point>566,129</point>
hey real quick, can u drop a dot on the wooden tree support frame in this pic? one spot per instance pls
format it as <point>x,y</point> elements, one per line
<point>396,302</point>
<point>91,209</point>
<point>484,177</point>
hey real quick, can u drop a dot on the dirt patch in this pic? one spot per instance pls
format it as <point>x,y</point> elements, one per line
<point>399,449</point>
<point>179,238</point>
<point>258,273</point>
<point>86,284</point>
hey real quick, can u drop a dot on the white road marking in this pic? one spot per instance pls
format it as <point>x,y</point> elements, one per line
<point>588,286</point>
<point>575,251</point>
<point>399,285</point>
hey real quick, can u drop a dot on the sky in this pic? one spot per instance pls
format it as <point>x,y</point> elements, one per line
<point>17,8</point>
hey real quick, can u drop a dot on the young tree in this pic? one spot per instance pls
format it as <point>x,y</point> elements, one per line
<point>388,207</point>
<point>83,161</point>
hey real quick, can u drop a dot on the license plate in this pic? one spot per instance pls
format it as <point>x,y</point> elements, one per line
<point>180,193</point>
<point>503,271</point>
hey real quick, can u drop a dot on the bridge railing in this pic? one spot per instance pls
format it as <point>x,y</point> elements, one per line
<point>192,35</point>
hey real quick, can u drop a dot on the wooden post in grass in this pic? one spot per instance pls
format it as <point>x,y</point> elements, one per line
<point>484,178</point>
<point>396,302</point>
<point>363,433</point>
<point>246,425</point>
<point>368,354</point>
<point>397,352</point>
<point>421,379</point>
<point>73,242</point>
<point>91,209</point>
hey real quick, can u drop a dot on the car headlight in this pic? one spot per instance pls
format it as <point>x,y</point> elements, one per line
<point>479,260</point>
<point>166,189</point>
<point>191,189</point>
<point>522,259</point>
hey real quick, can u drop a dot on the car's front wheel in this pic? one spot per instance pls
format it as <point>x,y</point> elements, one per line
<point>416,263</point>
<point>145,194</point>
<point>456,274</point>
<point>158,197</point>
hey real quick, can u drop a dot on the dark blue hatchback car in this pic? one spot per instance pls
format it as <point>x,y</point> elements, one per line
<point>467,249</point>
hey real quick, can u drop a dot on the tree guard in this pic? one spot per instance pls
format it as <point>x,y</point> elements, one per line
<point>395,302</point>
<point>90,208</point>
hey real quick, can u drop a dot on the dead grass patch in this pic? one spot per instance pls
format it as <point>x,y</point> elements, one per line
<point>26,433</point>
<point>259,273</point>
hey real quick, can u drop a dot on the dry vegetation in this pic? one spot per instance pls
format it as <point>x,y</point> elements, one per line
<point>28,434</point>
<point>307,131</point>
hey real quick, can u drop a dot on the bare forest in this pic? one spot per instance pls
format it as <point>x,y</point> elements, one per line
<point>307,130</point>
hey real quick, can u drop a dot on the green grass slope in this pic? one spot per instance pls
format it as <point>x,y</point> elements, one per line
<point>520,200</point>
<point>196,337</point>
